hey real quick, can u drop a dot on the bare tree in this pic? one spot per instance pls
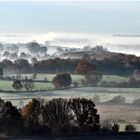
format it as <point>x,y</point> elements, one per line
<point>85,113</point>
<point>28,84</point>
<point>57,114</point>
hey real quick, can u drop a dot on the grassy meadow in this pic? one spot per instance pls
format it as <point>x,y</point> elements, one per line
<point>7,85</point>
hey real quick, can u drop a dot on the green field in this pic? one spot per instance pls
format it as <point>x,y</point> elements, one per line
<point>49,77</point>
<point>107,78</point>
<point>114,78</point>
<point>7,85</point>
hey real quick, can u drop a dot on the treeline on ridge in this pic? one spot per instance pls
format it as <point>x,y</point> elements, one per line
<point>115,65</point>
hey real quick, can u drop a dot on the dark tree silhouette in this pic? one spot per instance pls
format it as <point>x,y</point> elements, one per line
<point>1,72</point>
<point>17,85</point>
<point>57,114</point>
<point>31,114</point>
<point>22,65</point>
<point>28,84</point>
<point>85,113</point>
<point>11,120</point>
<point>115,127</point>
<point>130,128</point>
<point>62,80</point>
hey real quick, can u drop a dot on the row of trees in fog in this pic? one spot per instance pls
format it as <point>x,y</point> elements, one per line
<point>85,67</point>
<point>118,65</point>
<point>91,77</point>
<point>23,51</point>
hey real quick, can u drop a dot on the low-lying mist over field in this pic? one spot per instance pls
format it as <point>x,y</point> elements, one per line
<point>112,103</point>
<point>17,44</point>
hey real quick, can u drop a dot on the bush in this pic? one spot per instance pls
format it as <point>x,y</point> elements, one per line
<point>17,85</point>
<point>115,127</point>
<point>117,100</point>
<point>130,128</point>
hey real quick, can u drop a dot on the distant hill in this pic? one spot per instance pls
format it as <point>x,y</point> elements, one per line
<point>97,55</point>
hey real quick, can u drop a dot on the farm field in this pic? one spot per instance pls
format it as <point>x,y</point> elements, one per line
<point>116,112</point>
<point>77,78</point>
<point>7,85</point>
<point>104,94</point>
<point>107,112</point>
<point>49,77</point>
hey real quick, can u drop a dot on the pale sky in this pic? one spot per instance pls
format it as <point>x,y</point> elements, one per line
<point>84,17</point>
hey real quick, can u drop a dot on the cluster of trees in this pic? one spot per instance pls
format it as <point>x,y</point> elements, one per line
<point>97,48</point>
<point>115,65</point>
<point>115,127</point>
<point>62,80</point>
<point>54,116</point>
<point>91,75</point>
<point>89,71</point>
<point>23,50</point>
<point>26,83</point>
<point>36,48</point>
<point>134,79</point>
<point>56,65</point>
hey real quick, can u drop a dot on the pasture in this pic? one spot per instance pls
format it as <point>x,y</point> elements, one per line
<point>7,85</point>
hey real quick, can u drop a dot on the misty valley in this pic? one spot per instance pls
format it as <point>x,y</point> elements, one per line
<point>69,70</point>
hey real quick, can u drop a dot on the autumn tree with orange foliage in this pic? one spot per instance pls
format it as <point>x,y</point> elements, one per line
<point>31,114</point>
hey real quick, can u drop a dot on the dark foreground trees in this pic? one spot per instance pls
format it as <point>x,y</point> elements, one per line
<point>31,114</point>
<point>11,121</point>
<point>56,116</point>
<point>85,113</point>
